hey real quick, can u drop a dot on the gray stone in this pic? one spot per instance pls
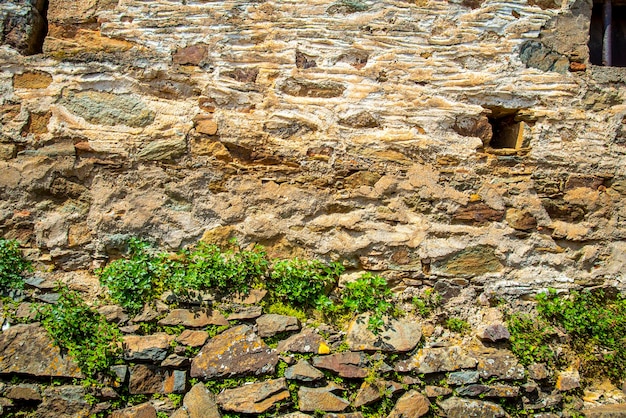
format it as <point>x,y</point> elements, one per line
<point>23,392</point>
<point>109,109</point>
<point>458,407</point>
<point>304,372</point>
<point>502,364</point>
<point>463,378</point>
<point>254,398</point>
<point>271,324</point>
<point>121,372</point>
<point>606,411</point>
<point>396,335</point>
<point>64,402</point>
<point>536,55</point>
<point>494,333</point>
<point>23,25</point>
<point>240,312</point>
<point>438,359</point>
<point>194,318</point>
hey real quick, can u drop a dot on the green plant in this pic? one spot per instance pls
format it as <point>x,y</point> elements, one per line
<point>429,301</point>
<point>12,265</point>
<point>176,399</point>
<point>303,282</point>
<point>596,325</point>
<point>132,281</point>
<point>457,325</point>
<point>86,335</point>
<point>280,308</point>
<point>530,339</point>
<point>369,293</point>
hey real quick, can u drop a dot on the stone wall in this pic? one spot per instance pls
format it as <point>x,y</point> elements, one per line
<point>468,145</point>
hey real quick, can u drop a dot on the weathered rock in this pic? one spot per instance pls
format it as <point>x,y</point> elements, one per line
<point>502,364</point>
<point>175,361</point>
<point>520,220</point>
<point>198,403</point>
<point>606,411</point>
<point>458,407</point>
<point>144,410</point>
<point>307,341</point>
<point>320,399</point>
<point>23,25</point>
<point>478,213</point>
<point>438,359</point>
<point>244,312</point>
<point>493,332</point>
<point>191,55</point>
<point>108,109</point>
<point>32,80</point>
<point>536,55</point>
<point>64,402</point>
<point>304,88</point>
<point>23,392</point>
<point>147,347</point>
<point>149,379</point>
<point>254,398</point>
<point>567,380</point>
<point>397,335</point>
<point>347,364</point>
<point>471,262</point>
<point>192,338</point>
<point>463,378</point>
<point>360,120</point>
<point>304,372</point>
<point>269,325</point>
<point>234,352</point>
<point>164,150</point>
<point>538,371</point>
<point>371,392</point>
<point>27,349</point>
<point>411,404</point>
<point>194,318</point>
<point>436,391</point>
<point>113,313</point>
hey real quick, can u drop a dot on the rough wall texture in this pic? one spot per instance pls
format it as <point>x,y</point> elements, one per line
<point>358,131</point>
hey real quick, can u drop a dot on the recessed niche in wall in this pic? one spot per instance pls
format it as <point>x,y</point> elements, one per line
<point>607,33</point>
<point>507,130</point>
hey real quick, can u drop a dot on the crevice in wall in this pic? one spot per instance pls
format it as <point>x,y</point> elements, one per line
<point>507,129</point>
<point>24,26</point>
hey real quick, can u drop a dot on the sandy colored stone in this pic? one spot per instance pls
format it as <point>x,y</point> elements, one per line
<point>206,126</point>
<point>146,347</point>
<point>307,341</point>
<point>320,399</point>
<point>303,371</point>
<point>269,325</point>
<point>254,398</point>
<point>198,403</point>
<point>144,410</point>
<point>438,359</point>
<point>27,349</point>
<point>411,404</point>
<point>32,80</point>
<point>193,338</point>
<point>396,335</point>
<point>347,364</point>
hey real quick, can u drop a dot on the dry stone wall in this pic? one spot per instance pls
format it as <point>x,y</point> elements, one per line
<point>468,146</point>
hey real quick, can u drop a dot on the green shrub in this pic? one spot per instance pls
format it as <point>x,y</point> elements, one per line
<point>86,335</point>
<point>12,265</point>
<point>132,281</point>
<point>369,293</point>
<point>596,325</point>
<point>428,302</point>
<point>303,282</point>
<point>531,339</point>
<point>457,325</point>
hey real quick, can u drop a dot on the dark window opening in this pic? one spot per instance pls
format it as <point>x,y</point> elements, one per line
<point>607,33</point>
<point>507,131</point>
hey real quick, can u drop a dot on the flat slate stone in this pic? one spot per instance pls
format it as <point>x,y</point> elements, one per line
<point>235,352</point>
<point>271,324</point>
<point>254,398</point>
<point>459,407</point>
<point>412,404</point>
<point>148,379</point>
<point>321,399</point>
<point>194,318</point>
<point>396,335</point>
<point>303,371</point>
<point>27,349</point>
<point>307,341</point>
<point>438,359</point>
<point>348,364</point>
<point>146,347</point>
<point>198,403</point>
